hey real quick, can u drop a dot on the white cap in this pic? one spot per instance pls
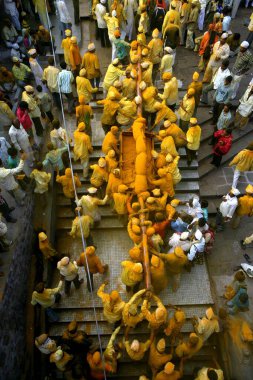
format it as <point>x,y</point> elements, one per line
<point>115,61</point>
<point>92,190</point>
<point>168,50</point>
<point>224,36</point>
<point>114,13</point>
<point>245,44</point>
<point>145,65</point>
<point>184,235</point>
<point>229,32</point>
<point>235,191</point>
<point>103,1</point>
<point>137,99</point>
<point>142,85</point>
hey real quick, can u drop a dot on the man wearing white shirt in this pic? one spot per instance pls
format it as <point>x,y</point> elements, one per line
<point>226,20</point>
<point>64,16</point>
<point>100,12</point>
<point>65,80</point>
<point>202,14</point>
<point>245,108</point>
<point>20,140</point>
<point>218,78</point>
<point>8,183</point>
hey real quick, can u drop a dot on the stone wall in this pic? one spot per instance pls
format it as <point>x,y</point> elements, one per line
<point>13,306</point>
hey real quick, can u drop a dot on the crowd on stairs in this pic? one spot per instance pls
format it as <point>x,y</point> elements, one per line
<point>169,235</point>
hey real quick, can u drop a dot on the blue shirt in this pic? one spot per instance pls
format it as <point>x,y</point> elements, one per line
<point>122,48</point>
<point>222,93</point>
<point>65,80</point>
<point>179,225</point>
<point>224,120</point>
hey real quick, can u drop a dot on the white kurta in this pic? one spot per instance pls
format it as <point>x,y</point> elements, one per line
<point>130,7</point>
<point>246,104</point>
<point>228,206</point>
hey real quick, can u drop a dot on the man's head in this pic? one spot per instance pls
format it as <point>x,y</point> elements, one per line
<point>224,64</point>
<point>228,80</point>
<point>244,46</point>
<point>39,166</point>
<point>211,374</point>
<point>50,61</point>
<point>16,61</point>
<point>7,22</point>
<point>50,146</point>
<point>114,130</point>
<point>243,297</point>
<point>190,92</point>
<point>226,108</point>
<point>12,152</point>
<point>29,90</point>
<point>39,88</point>
<point>23,105</point>
<point>63,65</point>
<point>39,288</point>
<point>55,124</point>
<point>16,123</point>
<point>223,38</point>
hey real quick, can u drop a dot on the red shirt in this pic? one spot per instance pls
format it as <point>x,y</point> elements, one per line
<point>24,119</point>
<point>223,144</point>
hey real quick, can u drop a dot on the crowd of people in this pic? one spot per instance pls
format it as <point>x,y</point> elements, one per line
<point>140,95</point>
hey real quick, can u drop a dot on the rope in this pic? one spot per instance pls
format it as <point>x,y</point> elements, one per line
<point>76,197</point>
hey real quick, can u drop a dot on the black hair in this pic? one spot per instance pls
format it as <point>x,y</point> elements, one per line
<point>63,65</point>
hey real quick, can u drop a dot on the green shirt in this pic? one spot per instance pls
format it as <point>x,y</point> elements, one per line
<point>20,72</point>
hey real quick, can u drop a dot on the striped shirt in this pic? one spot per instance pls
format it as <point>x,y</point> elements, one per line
<point>243,63</point>
<point>65,80</point>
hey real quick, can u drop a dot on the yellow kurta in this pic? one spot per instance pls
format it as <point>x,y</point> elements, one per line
<point>110,109</point>
<point>149,99</point>
<point>128,276</point>
<point>137,355</point>
<point>65,45</point>
<point>243,160</point>
<point>67,184</point>
<point>245,206</point>
<point>168,146</point>
<point>111,311</point>
<point>113,73</point>
<point>110,142</point>
<point>189,106</point>
<point>193,137</point>
<point>98,177</point>
<point>41,179</point>
<point>84,88</point>
<point>170,92</point>
<point>91,63</point>
<point>156,50</point>
<point>165,113</point>
<point>82,146</point>
<point>86,222</point>
<point>174,131</point>
<point>74,56</point>
<point>120,203</point>
<point>129,88</point>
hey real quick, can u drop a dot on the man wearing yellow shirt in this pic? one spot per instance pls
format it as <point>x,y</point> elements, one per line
<point>155,52</point>
<point>113,73</point>
<point>112,303</point>
<point>245,206</point>
<point>243,162</point>
<point>84,87</point>
<point>91,63</point>
<point>193,140</point>
<point>82,148</point>
<point>65,45</point>
<point>170,92</point>
<point>186,109</point>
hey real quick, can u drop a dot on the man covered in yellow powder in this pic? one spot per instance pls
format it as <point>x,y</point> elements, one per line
<point>99,174</point>
<point>193,136</point>
<point>245,206</point>
<point>129,84</point>
<point>206,326</point>
<point>111,141</point>
<point>175,324</point>
<point>120,199</point>
<point>165,182</point>
<point>111,161</point>
<point>190,347</point>
<point>155,52</point>
<point>170,373</point>
<point>81,225</point>
<point>163,113</point>
<point>113,73</point>
<point>114,181</point>
<point>49,253</point>
<point>172,168</point>
<point>84,87</point>
<point>90,204</point>
<point>131,275</point>
<point>176,132</point>
<point>91,63</point>
<point>111,107</point>
<point>130,315</point>
<point>157,355</point>
<point>82,148</point>
<point>158,318</point>
<point>159,276</point>
<point>149,95</point>
<point>74,55</point>
<point>171,14</point>
<point>186,109</point>
<point>84,114</point>
<point>65,45</point>
<point>175,261</point>
<point>113,305</point>
<point>66,181</point>
<point>136,350</point>
<point>170,91</point>
<point>197,86</point>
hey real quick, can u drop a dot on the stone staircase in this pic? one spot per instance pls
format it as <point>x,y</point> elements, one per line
<point>113,243</point>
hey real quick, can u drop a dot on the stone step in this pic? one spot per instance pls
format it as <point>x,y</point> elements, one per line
<point>87,314</point>
<point>65,212</point>
<point>205,168</point>
<point>84,11</point>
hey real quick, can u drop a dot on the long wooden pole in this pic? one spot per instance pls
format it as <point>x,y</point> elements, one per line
<point>141,201</point>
